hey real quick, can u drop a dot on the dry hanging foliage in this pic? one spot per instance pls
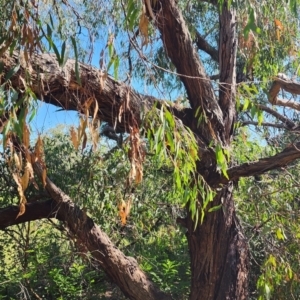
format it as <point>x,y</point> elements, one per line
<point>37,156</point>
<point>143,26</point>
<point>93,125</point>
<point>278,29</point>
<point>136,155</point>
<point>124,210</point>
<point>76,136</point>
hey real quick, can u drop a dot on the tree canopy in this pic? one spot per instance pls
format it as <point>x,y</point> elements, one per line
<point>195,194</point>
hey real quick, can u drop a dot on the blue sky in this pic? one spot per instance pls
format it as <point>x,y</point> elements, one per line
<point>49,116</point>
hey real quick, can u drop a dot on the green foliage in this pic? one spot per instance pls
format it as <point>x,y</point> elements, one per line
<point>174,145</point>
<point>38,260</point>
<point>268,207</point>
<point>54,267</point>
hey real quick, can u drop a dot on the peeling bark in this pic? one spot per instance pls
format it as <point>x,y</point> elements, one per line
<point>227,65</point>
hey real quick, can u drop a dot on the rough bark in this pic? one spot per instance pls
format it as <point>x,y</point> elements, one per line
<point>219,255</point>
<point>178,44</point>
<point>59,86</point>
<point>227,66</point>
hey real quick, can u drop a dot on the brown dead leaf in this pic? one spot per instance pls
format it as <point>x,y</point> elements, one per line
<point>124,210</point>
<point>74,138</point>
<point>87,103</point>
<point>18,181</point>
<point>25,179</point>
<point>38,150</point>
<point>22,210</point>
<point>121,110</point>
<point>136,155</point>
<point>26,135</point>
<point>94,130</point>
<point>84,141</point>
<point>102,79</point>
<point>96,110</point>
<point>82,127</point>
<point>278,29</point>
<point>18,162</point>
<point>143,26</point>
<point>44,177</point>
<point>31,174</point>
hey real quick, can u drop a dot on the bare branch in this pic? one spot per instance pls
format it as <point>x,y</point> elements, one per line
<point>203,45</point>
<point>264,124</point>
<point>215,77</point>
<point>280,160</point>
<point>290,124</point>
<point>33,211</point>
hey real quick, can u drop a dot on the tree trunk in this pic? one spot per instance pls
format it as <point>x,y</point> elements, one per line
<point>219,253</point>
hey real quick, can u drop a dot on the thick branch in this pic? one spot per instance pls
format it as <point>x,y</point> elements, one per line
<point>264,124</point>
<point>58,86</point>
<point>123,270</point>
<point>227,65</point>
<point>285,83</point>
<point>203,45</point>
<point>290,124</point>
<point>178,44</point>
<point>34,211</point>
<point>263,165</point>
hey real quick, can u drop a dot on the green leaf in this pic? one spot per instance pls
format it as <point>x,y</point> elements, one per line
<point>215,208</point>
<point>56,53</point>
<point>170,119</point>
<point>12,72</point>
<point>116,67</point>
<point>253,111</point>
<point>76,60</point>
<point>260,117</point>
<point>170,141</point>
<point>49,32</point>
<point>246,104</point>
<point>279,234</point>
<point>63,49</point>
<point>267,291</point>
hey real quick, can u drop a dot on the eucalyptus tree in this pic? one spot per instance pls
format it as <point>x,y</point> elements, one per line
<point>223,61</point>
